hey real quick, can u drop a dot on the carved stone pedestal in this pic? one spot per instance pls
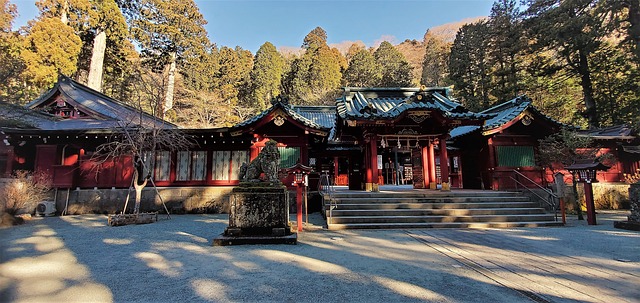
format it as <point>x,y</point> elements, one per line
<point>633,220</point>
<point>259,214</point>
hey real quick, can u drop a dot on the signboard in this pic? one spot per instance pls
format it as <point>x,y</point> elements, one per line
<point>379,161</point>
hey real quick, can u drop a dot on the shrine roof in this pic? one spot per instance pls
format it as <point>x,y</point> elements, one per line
<point>616,132</point>
<point>503,114</point>
<point>389,103</point>
<point>105,112</point>
<point>315,117</point>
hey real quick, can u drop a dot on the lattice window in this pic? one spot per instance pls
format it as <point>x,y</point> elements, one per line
<point>191,165</point>
<point>226,164</point>
<point>515,156</point>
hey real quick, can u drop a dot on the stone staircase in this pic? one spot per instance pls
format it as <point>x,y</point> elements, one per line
<point>433,209</point>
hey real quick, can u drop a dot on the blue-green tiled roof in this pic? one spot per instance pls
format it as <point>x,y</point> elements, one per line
<point>316,119</point>
<point>389,103</point>
<point>503,113</point>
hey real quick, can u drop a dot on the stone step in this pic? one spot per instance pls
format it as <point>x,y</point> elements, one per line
<point>421,194</point>
<point>440,219</point>
<point>338,212</point>
<point>426,200</point>
<point>444,225</point>
<point>474,205</point>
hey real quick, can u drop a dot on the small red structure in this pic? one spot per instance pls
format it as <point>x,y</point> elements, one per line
<point>585,171</point>
<point>300,180</point>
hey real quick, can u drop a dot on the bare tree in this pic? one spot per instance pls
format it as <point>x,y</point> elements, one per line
<point>140,137</point>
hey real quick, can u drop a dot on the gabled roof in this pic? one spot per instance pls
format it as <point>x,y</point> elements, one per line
<point>104,112</point>
<point>313,117</point>
<point>15,116</point>
<point>616,132</point>
<point>389,103</point>
<point>505,114</point>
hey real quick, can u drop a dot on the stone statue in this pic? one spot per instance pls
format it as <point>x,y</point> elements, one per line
<point>267,162</point>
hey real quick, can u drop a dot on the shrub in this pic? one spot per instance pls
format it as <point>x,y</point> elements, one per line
<point>23,191</point>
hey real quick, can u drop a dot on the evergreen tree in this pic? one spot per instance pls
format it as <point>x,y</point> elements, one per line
<point>396,70</point>
<point>10,49</point>
<point>266,76</point>
<point>506,46</point>
<point>468,66</point>
<point>169,33</point>
<point>363,70</point>
<point>576,34</point>
<point>51,48</point>
<point>435,64</point>
<point>315,76</point>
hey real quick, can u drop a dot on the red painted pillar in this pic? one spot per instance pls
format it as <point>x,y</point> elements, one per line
<point>591,208</point>
<point>444,164</point>
<point>373,145</point>
<point>425,166</point>
<point>299,205</point>
<point>336,172</point>
<point>432,167</point>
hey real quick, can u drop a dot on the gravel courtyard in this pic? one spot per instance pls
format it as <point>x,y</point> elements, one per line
<point>81,259</point>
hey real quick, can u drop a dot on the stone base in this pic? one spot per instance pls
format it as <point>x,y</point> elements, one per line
<point>446,186</point>
<point>223,240</point>
<point>371,187</point>
<point>629,225</point>
<point>433,185</point>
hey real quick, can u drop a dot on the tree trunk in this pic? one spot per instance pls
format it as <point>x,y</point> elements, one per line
<point>64,16</point>
<point>97,60</point>
<point>138,187</point>
<point>634,29</point>
<point>168,100</point>
<point>587,90</point>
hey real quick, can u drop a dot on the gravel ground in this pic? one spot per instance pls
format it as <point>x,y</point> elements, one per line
<point>81,259</point>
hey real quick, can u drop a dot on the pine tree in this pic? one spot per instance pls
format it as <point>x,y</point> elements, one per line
<point>396,70</point>
<point>266,76</point>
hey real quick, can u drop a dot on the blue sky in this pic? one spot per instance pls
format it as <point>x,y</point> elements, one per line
<point>249,23</point>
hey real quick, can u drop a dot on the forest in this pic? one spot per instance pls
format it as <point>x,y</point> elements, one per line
<point>578,60</point>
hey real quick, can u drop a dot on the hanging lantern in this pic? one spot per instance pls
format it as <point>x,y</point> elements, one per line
<point>417,143</point>
<point>382,143</point>
<point>399,145</point>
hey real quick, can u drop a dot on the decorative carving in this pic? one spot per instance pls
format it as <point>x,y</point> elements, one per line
<point>526,120</point>
<point>266,162</point>
<point>407,131</point>
<point>419,116</point>
<point>278,120</point>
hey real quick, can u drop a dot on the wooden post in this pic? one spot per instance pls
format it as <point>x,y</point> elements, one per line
<point>432,167</point>
<point>444,164</point>
<point>426,166</point>
<point>299,204</point>
<point>373,145</point>
<point>591,208</point>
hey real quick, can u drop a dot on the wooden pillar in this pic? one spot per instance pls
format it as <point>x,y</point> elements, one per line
<point>444,164</point>
<point>492,165</point>
<point>433,182</point>
<point>372,165</point>
<point>335,170</point>
<point>426,166</point>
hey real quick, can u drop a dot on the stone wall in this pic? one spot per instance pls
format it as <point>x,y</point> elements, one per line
<point>177,199</point>
<point>213,199</point>
<point>605,196</point>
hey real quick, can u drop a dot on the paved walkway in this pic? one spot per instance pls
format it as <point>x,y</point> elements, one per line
<point>81,259</point>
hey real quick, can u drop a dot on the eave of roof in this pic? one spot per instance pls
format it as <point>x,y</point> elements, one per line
<point>390,103</point>
<point>287,109</point>
<point>98,104</point>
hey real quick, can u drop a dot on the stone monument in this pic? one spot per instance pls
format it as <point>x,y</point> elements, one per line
<point>259,206</point>
<point>633,220</point>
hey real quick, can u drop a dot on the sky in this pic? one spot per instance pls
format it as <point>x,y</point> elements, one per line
<point>250,23</point>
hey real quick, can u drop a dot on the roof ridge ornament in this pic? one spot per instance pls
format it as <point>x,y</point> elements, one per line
<point>280,99</point>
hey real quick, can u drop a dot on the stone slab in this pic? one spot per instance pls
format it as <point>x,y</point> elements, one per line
<point>628,225</point>
<point>223,240</point>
